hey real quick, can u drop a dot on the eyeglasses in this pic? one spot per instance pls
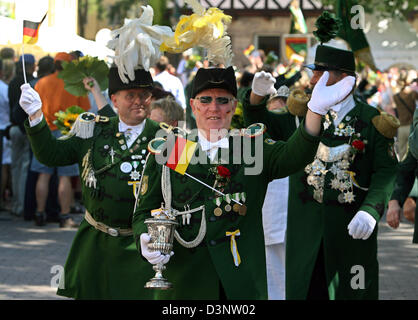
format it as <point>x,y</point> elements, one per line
<point>218,100</point>
<point>143,96</point>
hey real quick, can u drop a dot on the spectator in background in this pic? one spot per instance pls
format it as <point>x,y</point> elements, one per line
<point>278,100</point>
<point>244,84</point>
<point>405,108</point>
<point>8,70</point>
<point>182,70</point>
<point>158,93</point>
<point>20,152</point>
<point>4,123</point>
<point>7,53</point>
<point>55,98</point>
<point>45,67</point>
<point>169,82</point>
<point>167,110</point>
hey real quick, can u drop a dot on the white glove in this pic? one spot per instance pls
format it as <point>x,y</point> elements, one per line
<point>361,226</point>
<point>263,84</point>
<point>324,97</point>
<point>30,101</point>
<point>153,257</point>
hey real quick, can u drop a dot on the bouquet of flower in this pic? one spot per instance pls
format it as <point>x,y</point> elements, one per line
<point>357,144</point>
<point>75,71</point>
<point>222,176</point>
<point>65,119</point>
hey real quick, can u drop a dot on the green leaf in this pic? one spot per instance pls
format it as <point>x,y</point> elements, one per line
<point>75,109</point>
<point>75,71</point>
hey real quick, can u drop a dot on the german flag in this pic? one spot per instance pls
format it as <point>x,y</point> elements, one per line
<point>30,31</point>
<point>181,154</point>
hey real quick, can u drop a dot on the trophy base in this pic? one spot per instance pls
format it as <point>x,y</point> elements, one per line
<point>158,283</point>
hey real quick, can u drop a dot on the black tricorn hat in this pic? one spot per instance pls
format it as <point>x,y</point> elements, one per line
<point>330,58</point>
<point>143,79</point>
<point>214,78</point>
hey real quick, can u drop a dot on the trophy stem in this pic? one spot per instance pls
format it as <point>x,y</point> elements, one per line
<point>158,282</point>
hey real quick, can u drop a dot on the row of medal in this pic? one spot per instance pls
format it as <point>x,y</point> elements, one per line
<point>230,204</point>
<point>342,180</point>
<point>342,129</point>
<point>131,167</point>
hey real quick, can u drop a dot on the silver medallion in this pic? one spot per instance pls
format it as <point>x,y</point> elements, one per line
<point>126,167</point>
<point>135,175</point>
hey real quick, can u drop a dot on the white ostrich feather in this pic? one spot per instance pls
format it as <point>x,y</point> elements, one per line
<point>196,6</point>
<point>137,44</point>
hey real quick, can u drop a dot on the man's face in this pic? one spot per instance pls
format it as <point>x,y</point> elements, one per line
<point>132,105</point>
<point>213,109</point>
<point>334,77</point>
<point>276,104</point>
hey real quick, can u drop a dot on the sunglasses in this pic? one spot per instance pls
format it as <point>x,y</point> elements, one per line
<point>218,100</point>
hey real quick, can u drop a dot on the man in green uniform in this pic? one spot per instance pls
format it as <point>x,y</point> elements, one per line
<point>219,247</point>
<point>337,200</point>
<point>406,176</point>
<point>103,262</point>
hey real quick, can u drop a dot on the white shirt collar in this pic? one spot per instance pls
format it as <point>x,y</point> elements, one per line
<point>343,108</point>
<point>131,132</point>
<point>211,148</point>
<point>123,127</point>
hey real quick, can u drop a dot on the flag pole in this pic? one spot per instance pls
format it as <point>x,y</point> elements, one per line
<point>23,63</point>
<point>211,187</point>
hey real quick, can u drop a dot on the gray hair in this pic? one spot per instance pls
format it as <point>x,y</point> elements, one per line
<point>172,110</point>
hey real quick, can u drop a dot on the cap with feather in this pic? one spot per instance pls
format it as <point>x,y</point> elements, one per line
<point>327,57</point>
<point>204,28</point>
<point>327,27</point>
<point>137,44</point>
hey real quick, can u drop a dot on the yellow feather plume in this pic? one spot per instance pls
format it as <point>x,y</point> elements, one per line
<point>204,28</point>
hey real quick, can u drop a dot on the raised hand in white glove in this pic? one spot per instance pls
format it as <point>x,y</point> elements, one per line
<point>29,99</point>
<point>153,257</point>
<point>361,226</point>
<point>263,84</point>
<point>324,97</point>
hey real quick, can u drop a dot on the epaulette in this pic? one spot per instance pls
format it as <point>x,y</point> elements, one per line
<point>297,102</point>
<point>175,130</point>
<point>157,145</point>
<point>83,127</point>
<point>386,124</point>
<point>254,130</point>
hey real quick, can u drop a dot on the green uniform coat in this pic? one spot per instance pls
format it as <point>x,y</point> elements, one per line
<point>197,273</point>
<point>100,266</point>
<point>310,222</point>
<point>405,178</point>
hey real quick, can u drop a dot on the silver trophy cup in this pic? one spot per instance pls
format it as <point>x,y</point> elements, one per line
<point>161,231</point>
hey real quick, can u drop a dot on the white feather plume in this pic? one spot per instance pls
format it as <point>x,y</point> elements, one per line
<point>137,44</point>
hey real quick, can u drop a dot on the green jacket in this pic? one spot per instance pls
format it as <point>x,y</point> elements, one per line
<point>100,266</point>
<point>198,272</point>
<point>311,223</point>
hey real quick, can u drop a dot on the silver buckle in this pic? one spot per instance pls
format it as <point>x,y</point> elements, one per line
<point>113,232</point>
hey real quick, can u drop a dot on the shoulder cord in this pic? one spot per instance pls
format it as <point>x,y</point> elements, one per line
<point>166,191</point>
<point>140,183</point>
